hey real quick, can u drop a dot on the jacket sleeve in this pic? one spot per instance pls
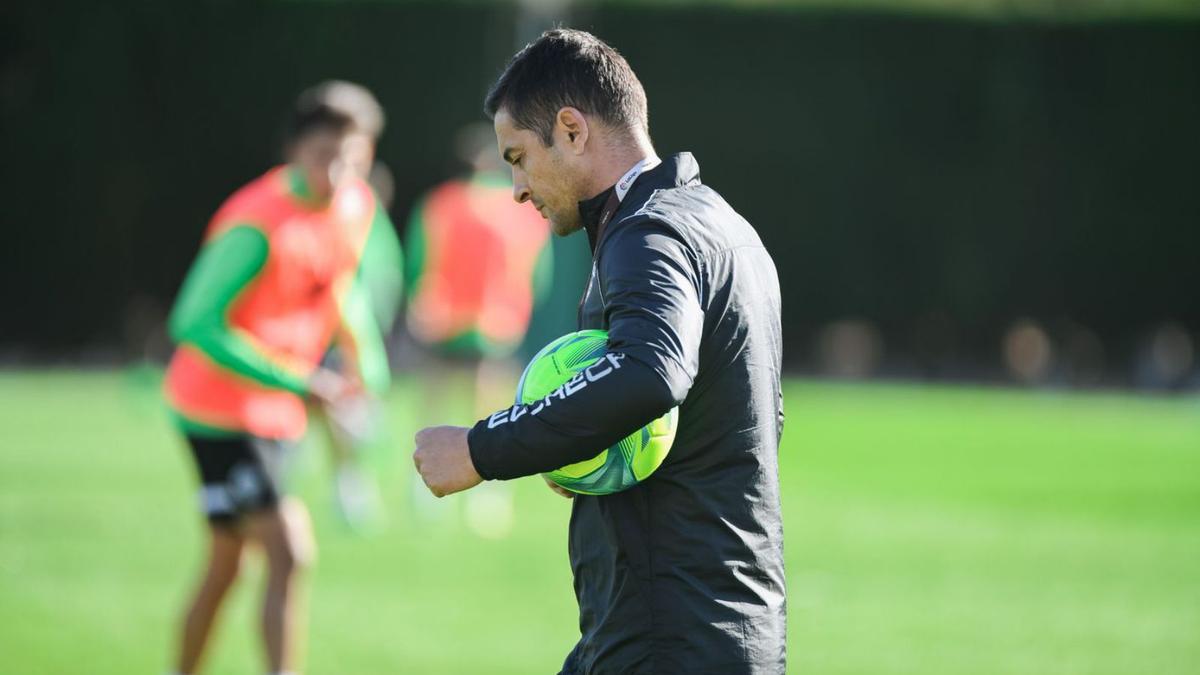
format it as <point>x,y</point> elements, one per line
<point>650,288</point>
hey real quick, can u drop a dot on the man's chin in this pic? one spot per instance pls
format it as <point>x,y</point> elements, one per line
<point>563,229</point>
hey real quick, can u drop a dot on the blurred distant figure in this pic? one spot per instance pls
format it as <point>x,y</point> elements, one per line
<point>477,263</point>
<point>277,281</point>
<point>355,425</point>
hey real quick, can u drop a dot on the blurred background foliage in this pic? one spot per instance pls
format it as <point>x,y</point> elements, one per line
<point>953,189</point>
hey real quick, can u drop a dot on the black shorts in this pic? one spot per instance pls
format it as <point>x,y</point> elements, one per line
<point>239,474</point>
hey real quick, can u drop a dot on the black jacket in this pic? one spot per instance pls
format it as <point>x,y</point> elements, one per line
<point>684,572</point>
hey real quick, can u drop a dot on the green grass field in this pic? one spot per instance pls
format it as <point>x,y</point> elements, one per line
<point>929,531</point>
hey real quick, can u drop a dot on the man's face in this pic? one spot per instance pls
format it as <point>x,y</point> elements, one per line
<point>546,176</point>
<point>327,157</point>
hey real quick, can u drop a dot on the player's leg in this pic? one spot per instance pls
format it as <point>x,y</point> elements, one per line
<point>495,379</point>
<point>347,432</point>
<point>446,393</point>
<point>224,562</point>
<point>285,534</point>
<point>216,459</point>
<point>348,428</point>
<point>490,512</point>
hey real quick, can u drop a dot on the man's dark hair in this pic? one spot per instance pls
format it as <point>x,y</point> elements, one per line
<point>568,68</point>
<point>337,105</point>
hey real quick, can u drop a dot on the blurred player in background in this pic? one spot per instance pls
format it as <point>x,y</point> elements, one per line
<point>277,281</point>
<point>477,263</point>
<point>356,425</point>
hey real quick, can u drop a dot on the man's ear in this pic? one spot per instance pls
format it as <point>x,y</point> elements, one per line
<point>571,128</point>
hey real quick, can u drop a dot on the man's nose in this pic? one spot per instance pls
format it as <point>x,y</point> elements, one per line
<point>521,193</point>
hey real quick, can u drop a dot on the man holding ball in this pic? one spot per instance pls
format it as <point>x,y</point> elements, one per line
<point>683,572</point>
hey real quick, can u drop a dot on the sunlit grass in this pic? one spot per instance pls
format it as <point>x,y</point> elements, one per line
<point>929,530</point>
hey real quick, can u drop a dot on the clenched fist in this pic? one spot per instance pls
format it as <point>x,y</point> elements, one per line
<point>444,460</point>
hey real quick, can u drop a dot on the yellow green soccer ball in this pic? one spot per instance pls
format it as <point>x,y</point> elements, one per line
<point>574,360</point>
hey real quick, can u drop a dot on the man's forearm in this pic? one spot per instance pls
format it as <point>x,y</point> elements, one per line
<point>575,422</point>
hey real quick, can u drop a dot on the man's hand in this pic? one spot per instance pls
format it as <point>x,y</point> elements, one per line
<point>443,459</point>
<point>328,387</point>
<point>558,489</point>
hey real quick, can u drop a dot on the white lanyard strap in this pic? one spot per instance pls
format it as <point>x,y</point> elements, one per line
<point>626,181</point>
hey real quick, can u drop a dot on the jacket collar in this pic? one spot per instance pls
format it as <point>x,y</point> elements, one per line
<point>591,211</point>
<point>675,170</point>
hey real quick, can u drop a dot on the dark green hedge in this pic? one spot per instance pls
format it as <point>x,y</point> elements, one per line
<point>898,167</point>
